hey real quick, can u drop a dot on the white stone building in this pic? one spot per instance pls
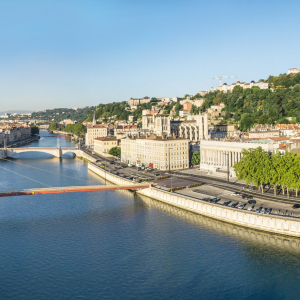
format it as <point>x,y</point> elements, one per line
<point>219,154</point>
<point>293,71</point>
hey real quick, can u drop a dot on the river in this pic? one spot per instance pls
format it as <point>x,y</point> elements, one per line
<point>116,245</point>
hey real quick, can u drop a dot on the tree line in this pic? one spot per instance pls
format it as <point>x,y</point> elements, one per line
<point>262,168</point>
<point>78,129</point>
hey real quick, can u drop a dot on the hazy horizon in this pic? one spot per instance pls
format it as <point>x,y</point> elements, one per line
<point>81,53</point>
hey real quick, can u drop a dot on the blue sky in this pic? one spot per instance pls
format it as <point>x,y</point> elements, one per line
<point>85,52</point>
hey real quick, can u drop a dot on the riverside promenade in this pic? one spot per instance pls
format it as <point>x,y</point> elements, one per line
<point>270,223</point>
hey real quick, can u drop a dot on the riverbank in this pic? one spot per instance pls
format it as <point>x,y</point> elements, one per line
<point>269,223</point>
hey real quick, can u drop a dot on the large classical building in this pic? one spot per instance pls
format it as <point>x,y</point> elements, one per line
<point>195,128</point>
<point>221,154</point>
<point>161,152</point>
<point>138,101</point>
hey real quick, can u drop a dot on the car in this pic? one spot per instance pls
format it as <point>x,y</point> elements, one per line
<point>145,171</point>
<point>252,201</point>
<point>235,194</point>
<point>296,206</point>
<point>130,165</point>
<point>123,176</point>
<point>234,205</point>
<point>142,167</point>
<point>242,206</point>
<point>130,177</point>
<point>250,208</point>
<point>267,212</point>
<point>148,169</point>
<point>226,203</point>
<point>98,160</point>
<point>249,197</point>
<point>215,200</point>
<point>258,210</point>
<point>117,173</point>
<point>263,210</point>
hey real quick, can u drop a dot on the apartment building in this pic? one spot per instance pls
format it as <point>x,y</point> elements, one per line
<point>93,132</point>
<point>104,144</point>
<point>158,152</point>
<point>229,88</point>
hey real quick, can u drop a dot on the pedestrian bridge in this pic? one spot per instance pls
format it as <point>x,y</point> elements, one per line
<point>57,151</point>
<point>74,189</point>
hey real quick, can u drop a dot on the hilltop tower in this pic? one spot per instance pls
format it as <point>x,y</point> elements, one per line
<point>94,120</point>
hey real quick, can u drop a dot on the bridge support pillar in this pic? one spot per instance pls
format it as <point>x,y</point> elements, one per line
<point>59,152</point>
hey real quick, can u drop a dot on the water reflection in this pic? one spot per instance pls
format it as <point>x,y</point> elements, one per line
<point>241,233</point>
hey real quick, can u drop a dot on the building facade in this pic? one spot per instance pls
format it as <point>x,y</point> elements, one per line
<point>293,71</point>
<point>223,154</point>
<point>138,101</point>
<point>93,132</point>
<point>160,152</point>
<point>104,144</point>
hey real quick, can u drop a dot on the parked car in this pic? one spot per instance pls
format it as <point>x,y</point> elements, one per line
<point>296,206</point>
<point>234,205</point>
<point>250,208</point>
<point>235,194</point>
<point>267,212</point>
<point>117,173</point>
<point>242,206</point>
<point>226,203</point>
<point>263,210</point>
<point>215,200</point>
<point>252,201</point>
<point>130,165</point>
<point>258,210</point>
<point>248,197</point>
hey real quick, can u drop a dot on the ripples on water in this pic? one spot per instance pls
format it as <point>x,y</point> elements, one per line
<point>114,245</point>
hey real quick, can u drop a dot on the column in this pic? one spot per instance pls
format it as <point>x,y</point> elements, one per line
<point>230,159</point>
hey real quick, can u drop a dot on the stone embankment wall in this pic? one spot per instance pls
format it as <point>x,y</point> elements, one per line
<point>270,223</point>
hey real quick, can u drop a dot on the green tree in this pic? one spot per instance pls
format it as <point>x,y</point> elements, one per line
<point>53,126</point>
<point>34,129</point>
<point>115,151</point>
<point>195,158</point>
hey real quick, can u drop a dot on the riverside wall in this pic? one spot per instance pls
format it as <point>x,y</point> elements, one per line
<point>269,223</point>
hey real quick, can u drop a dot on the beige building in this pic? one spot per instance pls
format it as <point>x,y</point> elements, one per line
<point>104,144</point>
<point>135,102</point>
<point>293,71</point>
<point>95,132</point>
<point>158,152</point>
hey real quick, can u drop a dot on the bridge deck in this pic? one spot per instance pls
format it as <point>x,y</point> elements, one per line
<point>74,189</point>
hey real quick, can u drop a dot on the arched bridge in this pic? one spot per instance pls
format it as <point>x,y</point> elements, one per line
<point>58,151</point>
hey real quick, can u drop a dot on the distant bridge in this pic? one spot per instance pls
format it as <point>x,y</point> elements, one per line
<point>58,151</point>
<point>74,189</point>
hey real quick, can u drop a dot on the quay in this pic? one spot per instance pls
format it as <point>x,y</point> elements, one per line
<point>283,225</point>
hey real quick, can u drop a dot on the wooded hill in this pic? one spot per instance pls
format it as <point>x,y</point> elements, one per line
<point>256,106</point>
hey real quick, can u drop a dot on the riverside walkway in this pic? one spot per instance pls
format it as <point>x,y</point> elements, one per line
<point>74,189</point>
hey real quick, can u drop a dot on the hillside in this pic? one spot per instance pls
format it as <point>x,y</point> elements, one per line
<point>60,114</point>
<point>255,106</point>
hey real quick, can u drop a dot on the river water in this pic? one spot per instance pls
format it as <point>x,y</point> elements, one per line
<point>115,245</point>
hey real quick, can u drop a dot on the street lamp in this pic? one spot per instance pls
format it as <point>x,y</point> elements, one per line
<point>170,166</point>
